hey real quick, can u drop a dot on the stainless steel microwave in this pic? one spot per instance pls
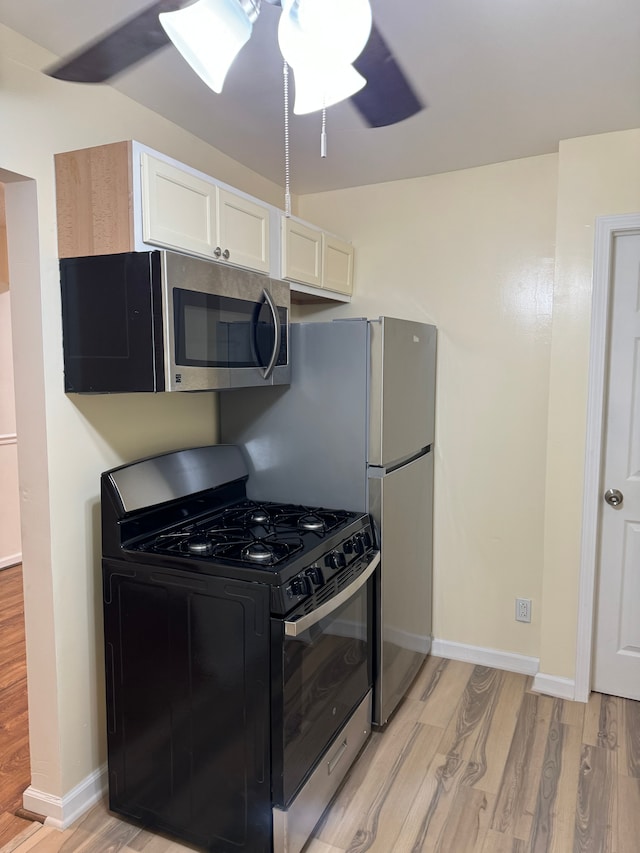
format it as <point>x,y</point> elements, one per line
<point>161,321</point>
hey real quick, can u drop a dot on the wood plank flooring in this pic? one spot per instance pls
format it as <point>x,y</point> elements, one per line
<point>15,773</point>
<point>473,762</point>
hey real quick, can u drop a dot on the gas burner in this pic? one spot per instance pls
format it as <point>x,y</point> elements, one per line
<point>245,515</point>
<point>199,545</point>
<point>259,552</point>
<point>311,521</point>
<point>258,516</point>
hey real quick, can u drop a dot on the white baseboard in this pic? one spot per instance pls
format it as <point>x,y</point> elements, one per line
<point>555,685</point>
<point>485,657</point>
<point>11,560</point>
<point>413,642</point>
<point>60,812</point>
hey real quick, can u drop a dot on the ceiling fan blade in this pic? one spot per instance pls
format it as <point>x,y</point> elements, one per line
<point>388,96</point>
<point>128,43</point>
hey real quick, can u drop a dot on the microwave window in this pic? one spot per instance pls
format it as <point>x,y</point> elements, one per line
<point>220,331</point>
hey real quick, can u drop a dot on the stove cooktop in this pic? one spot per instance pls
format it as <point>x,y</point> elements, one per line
<point>256,535</point>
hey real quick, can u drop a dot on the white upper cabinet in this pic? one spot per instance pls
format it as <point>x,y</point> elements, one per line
<point>315,258</point>
<point>126,197</point>
<point>179,210</point>
<point>301,253</point>
<point>243,231</point>
<point>337,260</point>
<point>185,212</point>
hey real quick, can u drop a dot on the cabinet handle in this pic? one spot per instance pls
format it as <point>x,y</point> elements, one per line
<point>226,254</point>
<point>217,252</point>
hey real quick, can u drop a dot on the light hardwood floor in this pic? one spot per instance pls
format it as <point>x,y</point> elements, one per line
<point>473,762</point>
<point>14,726</point>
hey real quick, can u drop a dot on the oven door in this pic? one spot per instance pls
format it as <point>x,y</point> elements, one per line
<point>321,671</point>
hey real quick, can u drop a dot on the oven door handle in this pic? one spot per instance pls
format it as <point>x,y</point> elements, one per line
<point>268,298</point>
<point>299,626</point>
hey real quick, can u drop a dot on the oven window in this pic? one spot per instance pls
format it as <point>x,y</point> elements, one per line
<point>221,331</point>
<point>326,672</point>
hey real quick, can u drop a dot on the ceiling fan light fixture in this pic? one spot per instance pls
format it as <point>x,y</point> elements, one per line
<point>317,87</point>
<point>341,27</point>
<point>323,77</point>
<point>209,34</point>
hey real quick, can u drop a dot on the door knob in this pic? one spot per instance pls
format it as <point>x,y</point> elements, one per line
<point>613,497</point>
<point>226,254</point>
<point>217,252</point>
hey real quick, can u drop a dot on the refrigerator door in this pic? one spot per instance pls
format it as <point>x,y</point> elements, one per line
<point>401,503</point>
<point>402,390</point>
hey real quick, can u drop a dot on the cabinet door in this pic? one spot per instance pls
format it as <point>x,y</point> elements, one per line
<point>337,258</point>
<point>301,253</point>
<point>243,231</point>
<point>178,209</point>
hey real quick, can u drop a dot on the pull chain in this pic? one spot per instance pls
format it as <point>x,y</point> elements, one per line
<point>323,134</point>
<point>287,165</point>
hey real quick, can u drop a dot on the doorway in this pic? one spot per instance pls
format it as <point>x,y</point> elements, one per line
<point>608,228</point>
<point>15,774</point>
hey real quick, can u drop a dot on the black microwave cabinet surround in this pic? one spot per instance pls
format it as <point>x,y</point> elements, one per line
<point>112,323</point>
<point>160,321</point>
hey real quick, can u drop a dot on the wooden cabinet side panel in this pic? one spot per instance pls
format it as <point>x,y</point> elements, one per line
<point>94,200</point>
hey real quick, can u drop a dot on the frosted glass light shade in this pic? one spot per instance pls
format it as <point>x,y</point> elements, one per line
<point>323,77</point>
<point>319,87</point>
<point>209,35</point>
<point>340,27</point>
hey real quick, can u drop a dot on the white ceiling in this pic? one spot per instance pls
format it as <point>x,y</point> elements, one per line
<point>503,79</point>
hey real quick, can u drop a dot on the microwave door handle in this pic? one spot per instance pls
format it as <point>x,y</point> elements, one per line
<point>268,298</point>
<point>299,626</point>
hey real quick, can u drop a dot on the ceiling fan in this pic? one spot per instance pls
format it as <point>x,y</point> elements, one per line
<point>387,97</point>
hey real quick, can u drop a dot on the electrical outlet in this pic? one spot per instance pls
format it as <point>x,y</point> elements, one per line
<point>523,610</point>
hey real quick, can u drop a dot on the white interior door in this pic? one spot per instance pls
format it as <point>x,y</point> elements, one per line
<point>617,637</point>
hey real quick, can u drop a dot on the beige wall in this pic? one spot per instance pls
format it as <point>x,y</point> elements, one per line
<point>597,176</point>
<point>66,441</point>
<point>472,252</point>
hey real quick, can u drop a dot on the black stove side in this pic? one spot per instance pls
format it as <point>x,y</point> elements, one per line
<point>188,726</point>
<point>187,674</point>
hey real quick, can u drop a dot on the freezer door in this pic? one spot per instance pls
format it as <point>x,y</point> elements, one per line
<point>401,503</point>
<point>401,389</point>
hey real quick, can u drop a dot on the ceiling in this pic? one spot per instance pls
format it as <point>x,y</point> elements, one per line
<point>503,79</point>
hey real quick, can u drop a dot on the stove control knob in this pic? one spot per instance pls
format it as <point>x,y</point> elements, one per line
<point>300,586</point>
<point>367,539</point>
<point>358,543</point>
<point>348,547</point>
<point>314,573</point>
<point>337,560</point>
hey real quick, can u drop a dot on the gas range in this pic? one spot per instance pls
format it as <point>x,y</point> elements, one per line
<point>179,515</point>
<point>238,651</point>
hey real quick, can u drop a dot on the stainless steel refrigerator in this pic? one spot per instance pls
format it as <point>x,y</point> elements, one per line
<point>355,430</point>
